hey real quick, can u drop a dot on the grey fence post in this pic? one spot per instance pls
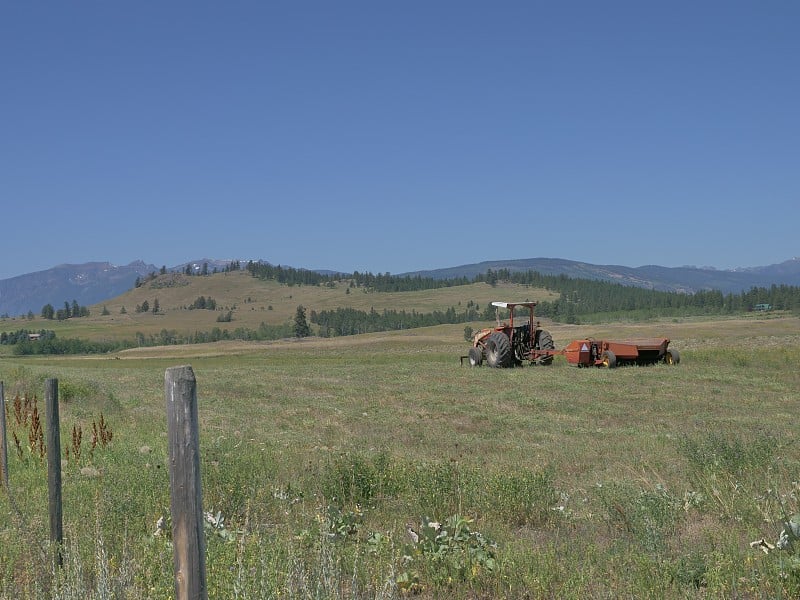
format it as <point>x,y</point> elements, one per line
<point>54,465</point>
<point>186,507</point>
<point>3,441</point>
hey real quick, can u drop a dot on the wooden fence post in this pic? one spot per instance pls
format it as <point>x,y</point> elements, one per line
<point>186,507</point>
<point>3,442</point>
<point>54,466</point>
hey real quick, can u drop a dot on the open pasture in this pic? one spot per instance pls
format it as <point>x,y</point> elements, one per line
<point>319,454</point>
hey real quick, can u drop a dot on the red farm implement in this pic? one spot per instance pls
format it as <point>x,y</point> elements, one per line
<point>510,344</point>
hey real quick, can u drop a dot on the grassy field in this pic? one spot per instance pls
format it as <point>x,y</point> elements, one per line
<point>548,481</point>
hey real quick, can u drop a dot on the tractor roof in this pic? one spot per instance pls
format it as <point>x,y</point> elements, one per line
<point>513,304</point>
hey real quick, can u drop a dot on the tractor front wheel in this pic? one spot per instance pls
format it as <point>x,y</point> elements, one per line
<point>475,356</point>
<point>498,350</point>
<point>545,342</point>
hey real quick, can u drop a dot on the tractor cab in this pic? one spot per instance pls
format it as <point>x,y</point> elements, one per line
<point>522,327</point>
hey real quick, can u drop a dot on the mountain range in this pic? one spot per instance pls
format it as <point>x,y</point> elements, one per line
<point>95,282</point>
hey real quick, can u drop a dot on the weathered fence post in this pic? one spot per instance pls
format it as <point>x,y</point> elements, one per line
<point>186,508</point>
<point>3,444</point>
<point>54,465</point>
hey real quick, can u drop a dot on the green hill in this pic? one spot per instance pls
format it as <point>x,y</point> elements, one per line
<point>252,302</point>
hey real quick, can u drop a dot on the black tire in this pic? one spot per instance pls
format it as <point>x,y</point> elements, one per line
<point>498,350</point>
<point>609,359</point>
<point>672,356</point>
<point>475,357</point>
<point>544,341</point>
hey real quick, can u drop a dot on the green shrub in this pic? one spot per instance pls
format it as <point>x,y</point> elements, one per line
<point>358,478</point>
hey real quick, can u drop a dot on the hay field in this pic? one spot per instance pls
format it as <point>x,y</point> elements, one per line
<point>633,482</point>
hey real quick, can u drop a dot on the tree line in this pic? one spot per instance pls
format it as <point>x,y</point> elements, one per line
<point>69,311</point>
<point>54,345</point>
<point>382,282</point>
<point>577,297</point>
<point>584,297</point>
<point>49,344</point>
<point>9,338</point>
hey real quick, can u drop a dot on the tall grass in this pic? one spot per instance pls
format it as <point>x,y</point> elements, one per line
<point>322,462</point>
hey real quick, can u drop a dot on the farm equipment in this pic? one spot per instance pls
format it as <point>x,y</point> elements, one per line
<point>607,353</point>
<point>510,344</point>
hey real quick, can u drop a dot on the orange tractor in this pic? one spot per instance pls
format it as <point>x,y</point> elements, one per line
<point>509,344</point>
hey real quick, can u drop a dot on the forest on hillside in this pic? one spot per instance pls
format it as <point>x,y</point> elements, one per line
<point>579,299</point>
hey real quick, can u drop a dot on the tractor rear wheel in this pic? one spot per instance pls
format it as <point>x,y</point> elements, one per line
<point>475,356</point>
<point>672,357</point>
<point>498,350</point>
<point>609,359</point>
<point>545,342</point>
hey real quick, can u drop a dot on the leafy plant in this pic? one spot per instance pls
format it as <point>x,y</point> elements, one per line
<point>448,552</point>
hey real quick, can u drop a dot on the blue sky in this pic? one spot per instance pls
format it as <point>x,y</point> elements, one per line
<point>397,136</point>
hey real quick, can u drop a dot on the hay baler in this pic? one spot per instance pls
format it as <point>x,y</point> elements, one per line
<point>610,353</point>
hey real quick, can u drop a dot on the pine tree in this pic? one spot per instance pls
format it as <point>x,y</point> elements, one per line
<point>301,328</point>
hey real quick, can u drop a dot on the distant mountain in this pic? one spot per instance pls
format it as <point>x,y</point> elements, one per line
<point>93,283</point>
<point>87,284</point>
<point>674,279</point>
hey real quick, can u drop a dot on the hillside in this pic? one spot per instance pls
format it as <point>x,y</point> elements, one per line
<point>252,302</point>
<point>97,282</point>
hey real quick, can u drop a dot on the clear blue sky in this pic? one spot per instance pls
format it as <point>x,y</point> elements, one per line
<point>397,136</point>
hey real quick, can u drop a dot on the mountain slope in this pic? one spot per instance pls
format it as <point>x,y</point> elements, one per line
<point>87,283</point>
<point>675,279</point>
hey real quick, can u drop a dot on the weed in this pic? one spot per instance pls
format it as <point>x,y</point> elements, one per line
<point>36,444</point>
<point>524,497</point>
<point>75,445</point>
<point>447,553</point>
<point>358,478</point>
<point>101,434</point>
<point>343,524</point>
<point>690,570</point>
<point>647,516</point>
<point>69,391</point>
